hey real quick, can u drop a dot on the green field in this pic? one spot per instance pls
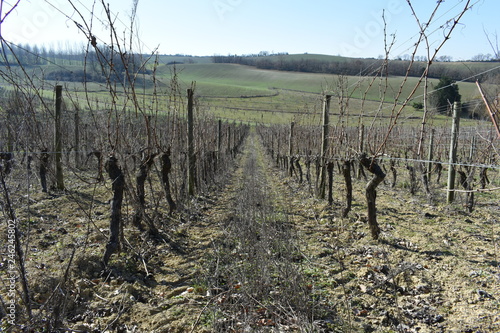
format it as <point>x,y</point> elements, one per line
<point>235,80</point>
<point>249,94</point>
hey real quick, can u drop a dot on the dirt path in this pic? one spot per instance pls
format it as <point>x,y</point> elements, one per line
<point>287,262</point>
<point>258,276</point>
<point>241,265</point>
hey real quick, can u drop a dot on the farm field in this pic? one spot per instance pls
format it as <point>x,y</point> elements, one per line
<point>248,94</point>
<point>245,93</point>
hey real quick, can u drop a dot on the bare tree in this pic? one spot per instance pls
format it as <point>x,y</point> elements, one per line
<point>493,41</point>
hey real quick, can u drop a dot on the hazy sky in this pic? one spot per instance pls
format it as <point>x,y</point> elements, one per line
<point>208,27</point>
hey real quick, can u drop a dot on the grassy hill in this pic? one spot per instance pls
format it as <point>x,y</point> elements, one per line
<point>234,80</point>
<point>249,89</point>
<point>248,93</point>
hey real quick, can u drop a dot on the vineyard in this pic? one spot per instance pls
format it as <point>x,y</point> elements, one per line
<point>140,196</point>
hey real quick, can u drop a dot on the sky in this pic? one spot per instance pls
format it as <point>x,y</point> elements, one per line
<point>220,27</point>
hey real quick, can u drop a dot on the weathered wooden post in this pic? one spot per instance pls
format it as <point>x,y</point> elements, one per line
<point>290,150</point>
<point>191,158</point>
<point>272,145</point>
<point>58,140</point>
<point>229,140</point>
<point>472,148</point>
<point>430,155</point>
<point>77,138</point>
<point>453,152</point>
<point>219,136</point>
<point>361,138</point>
<point>324,146</point>
<point>330,166</point>
<point>219,145</point>
<point>346,171</point>
<point>361,147</point>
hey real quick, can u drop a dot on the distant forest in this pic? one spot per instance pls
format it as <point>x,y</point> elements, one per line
<point>70,57</point>
<point>353,66</point>
<point>73,65</point>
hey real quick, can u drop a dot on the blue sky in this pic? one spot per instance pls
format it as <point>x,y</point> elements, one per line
<point>208,27</point>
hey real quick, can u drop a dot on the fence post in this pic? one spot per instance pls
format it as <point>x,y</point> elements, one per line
<point>346,171</point>
<point>290,150</point>
<point>361,147</point>
<point>361,138</point>
<point>431,154</point>
<point>472,148</point>
<point>453,152</point>
<point>324,146</point>
<point>191,158</point>
<point>330,166</point>
<point>77,138</point>
<point>219,136</point>
<point>58,139</point>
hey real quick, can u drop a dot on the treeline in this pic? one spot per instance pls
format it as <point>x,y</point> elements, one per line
<point>88,61</point>
<point>349,66</point>
<point>34,55</point>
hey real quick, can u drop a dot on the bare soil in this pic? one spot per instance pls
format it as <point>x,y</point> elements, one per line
<point>260,254</point>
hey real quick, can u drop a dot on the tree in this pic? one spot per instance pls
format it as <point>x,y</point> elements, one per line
<point>445,93</point>
<point>482,57</point>
<point>36,55</point>
<point>418,105</point>
<point>444,58</point>
<point>493,40</point>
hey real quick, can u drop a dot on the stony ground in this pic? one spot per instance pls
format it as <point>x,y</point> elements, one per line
<point>261,254</point>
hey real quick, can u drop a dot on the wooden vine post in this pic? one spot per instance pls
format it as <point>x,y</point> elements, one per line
<point>329,167</point>
<point>58,140</point>
<point>191,157</point>
<point>453,153</point>
<point>371,192</point>
<point>77,138</point>
<point>346,171</point>
<point>219,142</point>
<point>290,150</point>
<point>361,147</point>
<point>324,147</point>
<point>430,155</point>
<point>228,150</point>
